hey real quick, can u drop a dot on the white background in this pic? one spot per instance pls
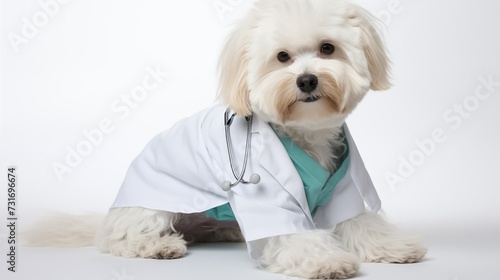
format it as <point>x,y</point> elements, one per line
<point>76,63</point>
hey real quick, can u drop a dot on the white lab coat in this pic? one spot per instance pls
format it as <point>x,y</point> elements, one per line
<point>181,171</point>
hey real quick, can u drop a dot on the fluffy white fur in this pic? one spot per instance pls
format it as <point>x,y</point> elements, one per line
<point>64,230</point>
<point>253,80</point>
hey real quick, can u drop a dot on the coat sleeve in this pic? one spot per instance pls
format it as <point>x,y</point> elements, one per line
<point>175,172</point>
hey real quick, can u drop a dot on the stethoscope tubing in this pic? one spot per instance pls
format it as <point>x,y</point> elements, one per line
<point>227,129</point>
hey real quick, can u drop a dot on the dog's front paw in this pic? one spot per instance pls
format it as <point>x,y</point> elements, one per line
<point>406,250</point>
<point>373,239</point>
<point>331,265</point>
<point>314,255</point>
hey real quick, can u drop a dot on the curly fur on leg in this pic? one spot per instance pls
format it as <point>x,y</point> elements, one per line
<point>314,255</point>
<point>373,239</point>
<point>146,233</point>
<point>140,232</point>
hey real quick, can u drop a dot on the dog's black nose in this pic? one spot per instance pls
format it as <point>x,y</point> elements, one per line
<point>307,82</point>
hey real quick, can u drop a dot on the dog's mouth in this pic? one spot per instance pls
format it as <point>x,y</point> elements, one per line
<point>311,99</point>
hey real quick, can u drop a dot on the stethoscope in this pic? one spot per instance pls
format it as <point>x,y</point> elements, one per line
<point>254,178</point>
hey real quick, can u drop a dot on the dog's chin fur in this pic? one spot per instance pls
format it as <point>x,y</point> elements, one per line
<point>253,81</point>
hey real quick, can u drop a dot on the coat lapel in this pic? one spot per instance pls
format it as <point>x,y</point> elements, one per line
<point>274,158</point>
<point>359,175</point>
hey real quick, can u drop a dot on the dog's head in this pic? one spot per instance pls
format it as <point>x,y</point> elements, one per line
<point>303,63</point>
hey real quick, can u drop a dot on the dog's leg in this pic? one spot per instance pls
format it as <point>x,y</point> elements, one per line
<point>222,235</point>
<point>314,255</point>
<point>140,232</point>
<point>373,239</point>
<point>199,228</point>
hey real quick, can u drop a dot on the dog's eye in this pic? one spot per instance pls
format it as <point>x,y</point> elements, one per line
<point>283,56</point>
<point>327,49</point>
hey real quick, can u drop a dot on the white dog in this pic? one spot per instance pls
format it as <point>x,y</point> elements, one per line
<point>299,68</point>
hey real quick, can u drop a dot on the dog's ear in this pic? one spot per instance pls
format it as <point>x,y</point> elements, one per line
<point>232,72</point>
<point>374,48</point>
